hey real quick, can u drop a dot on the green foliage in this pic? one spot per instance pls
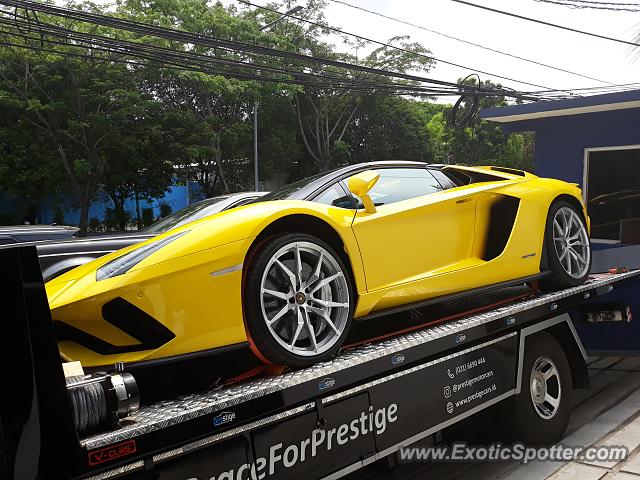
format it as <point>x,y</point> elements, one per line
<point>76,129</point>
<point>147,217</point>
<point>116,219</point>
<point>480,142</point>
<point>95,225</point>
<point>165,210</point>
<point>390,128</point>
<point>58,217</point>
<point>8,218</point>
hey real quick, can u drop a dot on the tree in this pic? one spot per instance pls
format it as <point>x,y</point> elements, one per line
<point>479,142</point>
<point>208,114</point>
<point>29,170</point>
<point>137,164</point>
<point>123,130</point>
<point>69,100</point>
<point>324,114</point>
<point>389,128</point>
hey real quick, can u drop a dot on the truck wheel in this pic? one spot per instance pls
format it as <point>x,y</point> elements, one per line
<point>298,301</point>
<point>567,247</point>
<point>539,414</point>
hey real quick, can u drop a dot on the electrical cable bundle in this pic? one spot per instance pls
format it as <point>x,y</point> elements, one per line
<point>22,26</point>
<point>595,5</point>
<point>223,57</point>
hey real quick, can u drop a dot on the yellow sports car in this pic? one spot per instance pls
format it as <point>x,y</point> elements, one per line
<point>289,272</point>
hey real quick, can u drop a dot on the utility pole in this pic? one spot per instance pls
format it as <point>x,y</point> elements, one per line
<point>255,146</point>
<point>255,105</point>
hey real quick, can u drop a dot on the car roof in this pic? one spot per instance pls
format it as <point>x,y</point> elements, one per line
<point>36,228</point>
<point>230,196</point>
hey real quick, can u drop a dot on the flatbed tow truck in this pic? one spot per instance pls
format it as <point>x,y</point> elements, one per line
<point>381,393</point>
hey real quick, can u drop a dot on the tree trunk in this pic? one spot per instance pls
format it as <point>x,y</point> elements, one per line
<point>122,215</point>
<point>217,154</point>
<point>85,204</point>
<point>138,216</point>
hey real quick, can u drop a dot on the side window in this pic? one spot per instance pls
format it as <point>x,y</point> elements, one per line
<point>7,240</point>
<point>443,179</point>
<point>335,195</point>
<point>397,184</point>
<point>239,203</point>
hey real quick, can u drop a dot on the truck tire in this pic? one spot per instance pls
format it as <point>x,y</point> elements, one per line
<point>539,414</point>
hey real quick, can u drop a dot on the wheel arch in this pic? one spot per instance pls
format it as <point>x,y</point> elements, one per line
<point>579,373</point>
<point>573,201</point>
<point>562,329</point>
<point>311,225</point>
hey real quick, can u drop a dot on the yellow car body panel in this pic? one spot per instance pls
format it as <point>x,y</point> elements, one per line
<point>405,252</point>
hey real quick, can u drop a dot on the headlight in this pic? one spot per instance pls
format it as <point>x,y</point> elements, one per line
<point>123,264</point>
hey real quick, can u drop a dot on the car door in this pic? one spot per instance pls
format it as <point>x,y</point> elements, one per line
<point>419,229</point>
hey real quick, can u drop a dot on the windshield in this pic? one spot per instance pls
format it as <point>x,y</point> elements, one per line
<point>186,215</point>
<point>288,192</point>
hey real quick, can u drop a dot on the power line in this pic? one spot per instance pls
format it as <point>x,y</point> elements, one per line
<point>209,41</point>
<point>458,39</point>
<point>593,2</point>
<point>38,33</point>
<point>388,45</point>
<point>584,6</point>
<point>548,24</point>
<point>181,59</point>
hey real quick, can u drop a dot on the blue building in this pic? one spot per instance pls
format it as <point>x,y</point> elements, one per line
<point>594,142</point>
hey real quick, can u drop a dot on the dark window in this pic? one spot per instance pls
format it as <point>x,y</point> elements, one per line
<point>397,184</point>
<point>443,179</point>
<point>613,195</point>
<point>188,214</point>
<point>458,177</point>
<point>239,203</point>
<point>7,240</point>
<point>335,195</point>
<point>293,190</point>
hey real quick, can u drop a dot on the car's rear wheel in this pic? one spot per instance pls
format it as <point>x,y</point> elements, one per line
<point>298,300</point>
<point>567,247</point>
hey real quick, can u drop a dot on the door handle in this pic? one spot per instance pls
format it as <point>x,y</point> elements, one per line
<point>462,201</point>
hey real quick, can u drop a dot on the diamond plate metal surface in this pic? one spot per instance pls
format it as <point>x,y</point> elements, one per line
<point>116,472</point>
<point>182,409</point>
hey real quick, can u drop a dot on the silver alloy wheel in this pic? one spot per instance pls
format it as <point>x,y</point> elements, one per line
<point>571,242</point>
<point>545,387</point>
<point>304,298</point>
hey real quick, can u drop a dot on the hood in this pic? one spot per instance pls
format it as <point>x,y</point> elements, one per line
<point>204,234</point>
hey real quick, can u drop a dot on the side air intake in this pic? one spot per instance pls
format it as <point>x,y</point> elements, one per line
<point>502,217</point>
<point>150,333</point>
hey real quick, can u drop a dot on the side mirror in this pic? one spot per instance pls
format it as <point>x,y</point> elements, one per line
<point>361,184</point>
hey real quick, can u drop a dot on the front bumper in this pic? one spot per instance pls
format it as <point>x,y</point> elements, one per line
<point>168,309</point>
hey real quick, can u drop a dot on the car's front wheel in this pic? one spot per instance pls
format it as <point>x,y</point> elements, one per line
<point>298,300</point>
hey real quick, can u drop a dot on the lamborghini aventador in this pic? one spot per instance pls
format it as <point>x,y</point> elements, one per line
<point>289,272</point>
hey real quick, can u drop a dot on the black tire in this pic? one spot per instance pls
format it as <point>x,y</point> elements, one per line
<point>558,277</point>
<point>521,421</point>
<point>260,336</point>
